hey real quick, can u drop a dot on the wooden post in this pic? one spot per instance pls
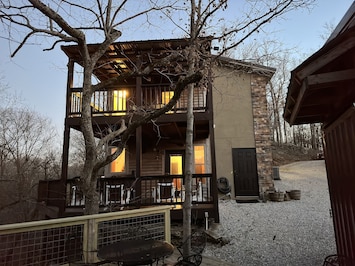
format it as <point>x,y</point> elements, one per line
<point>90,248</point>
<point>66,127</point>
<point>138,136</point>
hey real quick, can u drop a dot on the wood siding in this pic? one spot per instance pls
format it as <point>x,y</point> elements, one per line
<point>340,154</point>
<point>152,163</point>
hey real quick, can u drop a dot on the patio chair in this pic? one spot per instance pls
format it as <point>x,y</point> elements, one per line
<point>114,194</point>
<point>198,244</point>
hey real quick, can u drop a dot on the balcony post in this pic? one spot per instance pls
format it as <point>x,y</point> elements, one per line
<point>65,155</point>
<point>214,172</point>
<point>138,135</point>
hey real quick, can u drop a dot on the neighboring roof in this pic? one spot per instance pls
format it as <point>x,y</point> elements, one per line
<point>323,86</point>
<point>248,67</point>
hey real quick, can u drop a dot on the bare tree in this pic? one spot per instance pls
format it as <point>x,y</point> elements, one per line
<point>204,18</point>
<point>102,19</point>
<point>27,155</point>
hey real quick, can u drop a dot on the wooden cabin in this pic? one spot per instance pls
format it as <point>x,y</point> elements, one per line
<point>231,133</point>
<point>322,90</point>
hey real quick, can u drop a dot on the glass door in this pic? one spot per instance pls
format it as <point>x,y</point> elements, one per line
<point>174,165</point>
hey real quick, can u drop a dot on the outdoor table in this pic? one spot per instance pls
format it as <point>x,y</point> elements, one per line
<point>136,252</point>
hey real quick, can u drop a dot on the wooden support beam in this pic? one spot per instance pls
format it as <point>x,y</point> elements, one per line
<point>326,57</point>
<point>65,155</point>
<point>299,100</point>
<point>139,139</point>
<point>325,79</point>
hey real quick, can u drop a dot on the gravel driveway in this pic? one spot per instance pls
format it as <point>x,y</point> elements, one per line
<point>296,232</point>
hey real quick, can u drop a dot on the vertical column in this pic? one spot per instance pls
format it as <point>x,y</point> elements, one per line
<point>138,135</point>
<point>213,182</point>
<point>65,154</point>
<point>262,131</point>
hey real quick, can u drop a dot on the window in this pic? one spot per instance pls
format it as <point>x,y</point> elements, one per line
<point>199,153</point>
<point>118,165</point>
<point>176,164</point>
<point>120,101</point>
<point>166,96</point>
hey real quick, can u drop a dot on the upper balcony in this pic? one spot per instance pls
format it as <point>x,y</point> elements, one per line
<point>143,93</point>
<point>121,101</point>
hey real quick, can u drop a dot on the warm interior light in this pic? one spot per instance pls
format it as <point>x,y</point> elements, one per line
<point>166,96</point>
<point>120,100</point>
<point>176,168</point>
<point>118,165</point>
<point>199,152</point>
<point>176,164</point>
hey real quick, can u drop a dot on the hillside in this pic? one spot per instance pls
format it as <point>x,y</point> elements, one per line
<point>288,153</point>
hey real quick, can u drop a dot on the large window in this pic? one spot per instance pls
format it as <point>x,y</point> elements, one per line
<point>199,153</point>
<point>118,165</point>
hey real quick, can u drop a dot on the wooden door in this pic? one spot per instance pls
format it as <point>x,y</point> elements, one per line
<point>245,173</point>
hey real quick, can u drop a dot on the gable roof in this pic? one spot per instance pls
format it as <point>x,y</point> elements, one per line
<point>247,67</point>
<point>322,87</point>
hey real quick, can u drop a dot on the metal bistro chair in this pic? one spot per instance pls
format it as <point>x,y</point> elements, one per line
<point>198,244</point>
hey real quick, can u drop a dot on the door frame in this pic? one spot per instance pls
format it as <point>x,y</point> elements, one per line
<point>167,159</point>
<point>250,171</point>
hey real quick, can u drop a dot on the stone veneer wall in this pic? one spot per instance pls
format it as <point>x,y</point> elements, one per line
<point>262,131</point>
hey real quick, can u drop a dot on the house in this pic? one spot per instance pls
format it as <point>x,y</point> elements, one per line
<point>321,90</point>
<point>231,132</point>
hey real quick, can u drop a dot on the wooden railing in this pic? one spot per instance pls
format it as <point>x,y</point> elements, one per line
<point>113,102</point>
<point>77,239</point>
<point>116,192</point>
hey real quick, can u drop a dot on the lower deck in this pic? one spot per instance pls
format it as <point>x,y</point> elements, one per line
<point>126,193</point>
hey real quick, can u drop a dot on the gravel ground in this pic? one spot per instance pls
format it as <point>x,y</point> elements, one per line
<point>296,232</point>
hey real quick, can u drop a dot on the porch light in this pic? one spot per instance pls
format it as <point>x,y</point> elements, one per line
<point>120,64</point>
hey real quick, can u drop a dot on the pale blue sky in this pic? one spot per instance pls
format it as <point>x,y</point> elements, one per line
<point>40,77</point>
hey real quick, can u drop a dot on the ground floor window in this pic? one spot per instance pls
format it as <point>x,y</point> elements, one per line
<point>200,162</point>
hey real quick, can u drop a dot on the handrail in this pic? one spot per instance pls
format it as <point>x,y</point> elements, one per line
<point>77,238</point>
<point>147,191</point>
<point>109,101</point>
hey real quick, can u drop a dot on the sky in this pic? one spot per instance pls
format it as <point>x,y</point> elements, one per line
<point>39,78</point>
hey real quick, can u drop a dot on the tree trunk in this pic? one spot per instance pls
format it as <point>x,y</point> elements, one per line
<point>188,172</point>
<point>89,176</point>
<point>189,135</point>
<point>285,131</point>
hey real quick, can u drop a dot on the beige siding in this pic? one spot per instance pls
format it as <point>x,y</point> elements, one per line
<point>233,117</point>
